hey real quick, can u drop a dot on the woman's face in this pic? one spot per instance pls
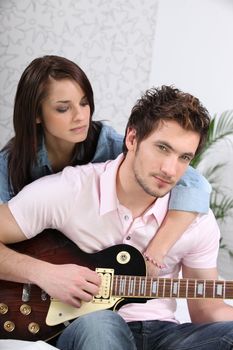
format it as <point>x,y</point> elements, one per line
<point>65,112</point>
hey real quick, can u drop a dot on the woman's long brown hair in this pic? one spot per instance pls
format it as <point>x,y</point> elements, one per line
<point>31,90</point>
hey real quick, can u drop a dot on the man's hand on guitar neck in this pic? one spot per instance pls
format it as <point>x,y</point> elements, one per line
<point>70,283</point>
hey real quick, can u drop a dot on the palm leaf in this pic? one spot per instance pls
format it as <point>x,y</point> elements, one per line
<point>221,204</point>
<point>221,129</point>
<point>214,173</point>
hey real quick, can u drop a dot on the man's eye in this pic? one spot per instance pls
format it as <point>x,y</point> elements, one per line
<point>187,158</point>
<point>162,148</point>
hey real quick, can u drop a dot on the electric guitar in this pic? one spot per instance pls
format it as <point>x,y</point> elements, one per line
<point>28,313</point>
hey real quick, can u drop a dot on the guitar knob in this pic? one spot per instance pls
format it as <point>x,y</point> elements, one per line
<point>25,309</point>
<point>9,326</point>
<point>33,327</point>
<point>3,309</point>
<point>123,257</point>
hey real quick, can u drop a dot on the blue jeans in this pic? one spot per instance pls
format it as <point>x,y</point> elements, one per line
<point>106,330</point>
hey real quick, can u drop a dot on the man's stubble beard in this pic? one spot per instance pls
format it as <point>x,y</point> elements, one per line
<point>146,188</point>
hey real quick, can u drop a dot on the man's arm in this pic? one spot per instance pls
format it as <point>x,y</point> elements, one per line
<point>70,283</point>
<point>206,310</point>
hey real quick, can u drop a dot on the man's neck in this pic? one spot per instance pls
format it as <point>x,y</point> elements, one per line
<point>129,192</point>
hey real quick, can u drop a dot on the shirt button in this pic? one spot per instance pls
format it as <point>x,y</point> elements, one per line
<point>126,217</point>
<point>128,238</point>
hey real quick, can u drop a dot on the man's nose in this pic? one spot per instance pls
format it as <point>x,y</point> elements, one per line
<point>169,166</point>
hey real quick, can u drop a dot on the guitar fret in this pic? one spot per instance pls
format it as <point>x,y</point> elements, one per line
<point>122,286</point>
<point>200,292</point>
<point>160,288</point>
<point>131,286</point>
<point>179,288</point>
<point>154,287</point>
<point>167,288</point>
<point>115,285</point>
<point>228,290</point>
<point>219,289</point>
<point>171,282</point>
<point>209,289</point>
<point>134,287</point>
<point>175,288</point>
<point>164,280</point>
<point>148,286</point>
<point>142,290</point>
<point>191,288</point>
<point>182,288</point>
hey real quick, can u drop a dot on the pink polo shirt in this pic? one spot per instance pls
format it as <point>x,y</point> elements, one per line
<point>82,203</point>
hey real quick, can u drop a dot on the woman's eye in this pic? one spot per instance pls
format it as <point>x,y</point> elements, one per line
<point>62,109</point>
<point>84,102</point>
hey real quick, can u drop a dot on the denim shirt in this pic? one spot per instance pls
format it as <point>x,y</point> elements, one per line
<point>191,193</point>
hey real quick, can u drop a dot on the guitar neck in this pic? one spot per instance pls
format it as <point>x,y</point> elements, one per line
<point>149,287</point>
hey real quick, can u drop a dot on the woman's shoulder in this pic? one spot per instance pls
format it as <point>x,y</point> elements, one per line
<point>108,132</point>
<point>109,144</point>
<point>4,155</point>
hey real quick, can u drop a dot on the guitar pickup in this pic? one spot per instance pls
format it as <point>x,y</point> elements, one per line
<point>105,291</point>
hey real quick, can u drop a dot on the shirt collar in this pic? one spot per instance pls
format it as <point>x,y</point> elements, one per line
<point>108,196</point>
<point>42,154</point>
<point>159,208</point>
<point>108,199</point>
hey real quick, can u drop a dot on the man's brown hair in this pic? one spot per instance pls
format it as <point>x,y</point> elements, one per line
<point>164,104</point>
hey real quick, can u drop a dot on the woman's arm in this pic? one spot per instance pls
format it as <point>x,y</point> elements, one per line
<point>188,198</point>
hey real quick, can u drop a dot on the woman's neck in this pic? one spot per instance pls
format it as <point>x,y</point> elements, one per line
<point>59,153</point>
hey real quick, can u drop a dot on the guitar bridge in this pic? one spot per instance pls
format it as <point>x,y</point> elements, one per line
<point>104,295</point>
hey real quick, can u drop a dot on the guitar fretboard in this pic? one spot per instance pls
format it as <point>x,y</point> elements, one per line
<point>149,287</point>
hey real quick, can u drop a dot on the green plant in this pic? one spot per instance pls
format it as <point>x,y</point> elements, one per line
<point>221,199</point>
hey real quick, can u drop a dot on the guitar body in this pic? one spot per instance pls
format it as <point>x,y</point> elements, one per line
<point>23,308</point>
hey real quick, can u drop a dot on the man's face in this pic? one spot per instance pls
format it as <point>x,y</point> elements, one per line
<point>160,160</point>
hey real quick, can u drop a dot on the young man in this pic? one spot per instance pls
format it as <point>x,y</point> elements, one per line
<point>122,201</point>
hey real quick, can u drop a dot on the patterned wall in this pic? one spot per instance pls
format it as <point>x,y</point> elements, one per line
<point>110,39</point>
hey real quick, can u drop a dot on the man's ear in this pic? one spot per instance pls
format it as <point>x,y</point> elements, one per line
<point>131,140</point>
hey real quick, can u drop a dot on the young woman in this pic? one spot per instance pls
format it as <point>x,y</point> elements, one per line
<point>53,126</point>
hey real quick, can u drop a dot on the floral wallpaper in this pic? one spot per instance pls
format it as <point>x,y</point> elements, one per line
<point>112,41</point>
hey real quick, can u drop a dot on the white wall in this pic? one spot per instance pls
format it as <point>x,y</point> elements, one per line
<point>111,40</point>
<point>193,49</point>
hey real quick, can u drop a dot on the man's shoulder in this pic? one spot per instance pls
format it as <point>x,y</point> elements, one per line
<point>90,169</point>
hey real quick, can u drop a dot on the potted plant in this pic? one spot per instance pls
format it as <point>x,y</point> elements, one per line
<point>220,135</point>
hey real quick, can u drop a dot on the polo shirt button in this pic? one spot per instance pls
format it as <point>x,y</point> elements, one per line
<point>128,238</point>
<point>126,217</point>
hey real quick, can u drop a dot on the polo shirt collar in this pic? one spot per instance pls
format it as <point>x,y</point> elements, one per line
<point>108,195</point>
